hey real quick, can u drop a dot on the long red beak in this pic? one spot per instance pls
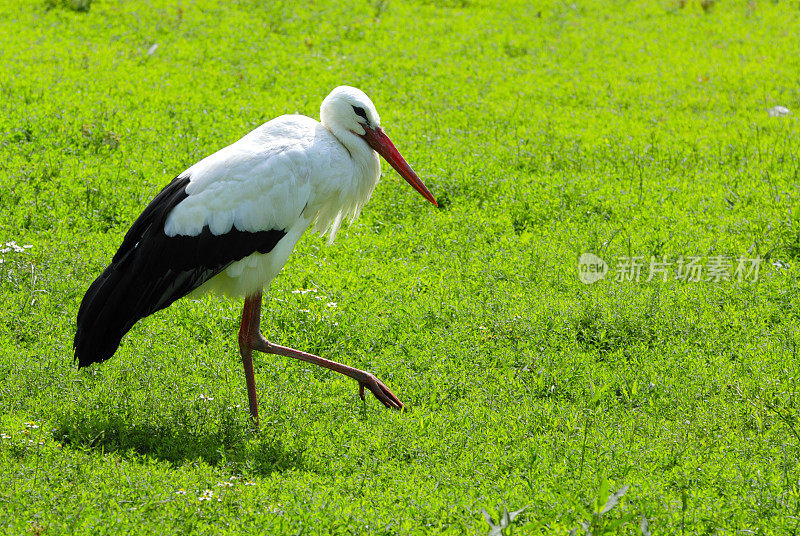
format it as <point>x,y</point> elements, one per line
<point>380,142</point>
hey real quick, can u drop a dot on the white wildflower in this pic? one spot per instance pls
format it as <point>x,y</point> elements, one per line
<point>13,246</point>
<point>779,111</point>
<point>303,290</point>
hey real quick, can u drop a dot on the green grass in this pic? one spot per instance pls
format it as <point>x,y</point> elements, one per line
<point>546,131</point>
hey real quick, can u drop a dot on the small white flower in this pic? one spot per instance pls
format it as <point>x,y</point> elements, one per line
<point>13,246</point>
<point>206,398</point>
<point>779,111</point>
<point>5,436</point>
<point>332,304</point>
<point>225,484</point>
<point>31,425</point>
<point>180,492</point>
<point>207,495</point>
<point>249,483</point>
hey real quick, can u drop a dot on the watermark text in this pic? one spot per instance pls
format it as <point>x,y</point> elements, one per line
<point>689,269</point>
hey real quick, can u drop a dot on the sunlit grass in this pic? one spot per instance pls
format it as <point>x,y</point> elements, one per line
<point>545,131</point>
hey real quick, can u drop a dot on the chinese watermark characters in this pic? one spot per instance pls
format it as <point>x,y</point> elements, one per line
<point>690,269</point>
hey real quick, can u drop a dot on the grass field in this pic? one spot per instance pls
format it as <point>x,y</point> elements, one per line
<point>545,130</point>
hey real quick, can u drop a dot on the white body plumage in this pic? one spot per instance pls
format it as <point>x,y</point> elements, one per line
<point>287,174</point>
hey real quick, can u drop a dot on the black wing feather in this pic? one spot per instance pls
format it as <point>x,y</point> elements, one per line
<point>151,270</point>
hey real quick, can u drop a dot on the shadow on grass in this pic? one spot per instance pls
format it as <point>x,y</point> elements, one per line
<point>224,443</point>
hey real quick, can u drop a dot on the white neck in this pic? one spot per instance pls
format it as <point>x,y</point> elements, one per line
<point>354,144</point>
<point>366,172</point>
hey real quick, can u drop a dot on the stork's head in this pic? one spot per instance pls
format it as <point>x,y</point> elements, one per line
<point>348,108</point>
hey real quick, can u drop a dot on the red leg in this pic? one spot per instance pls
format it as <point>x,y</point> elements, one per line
<point>254,340</point>
<point>247,351</point>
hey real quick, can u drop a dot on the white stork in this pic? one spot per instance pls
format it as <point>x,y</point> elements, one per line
<point>228,224</point>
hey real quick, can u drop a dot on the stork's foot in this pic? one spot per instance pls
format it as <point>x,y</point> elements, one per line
<point>378,389</point>
<point>250,338</point>
<point>364,378</point>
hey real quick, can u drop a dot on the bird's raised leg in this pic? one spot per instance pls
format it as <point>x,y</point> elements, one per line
<point>254,340</point>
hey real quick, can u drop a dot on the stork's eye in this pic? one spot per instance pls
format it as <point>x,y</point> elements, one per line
<point>360,111</point>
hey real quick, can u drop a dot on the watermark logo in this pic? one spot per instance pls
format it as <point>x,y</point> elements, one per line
<point>691,269</point>
<point>591,268</point>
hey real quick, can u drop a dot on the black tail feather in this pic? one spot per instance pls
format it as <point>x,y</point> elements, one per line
<point>104,317</point>
<point>122,296</point>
